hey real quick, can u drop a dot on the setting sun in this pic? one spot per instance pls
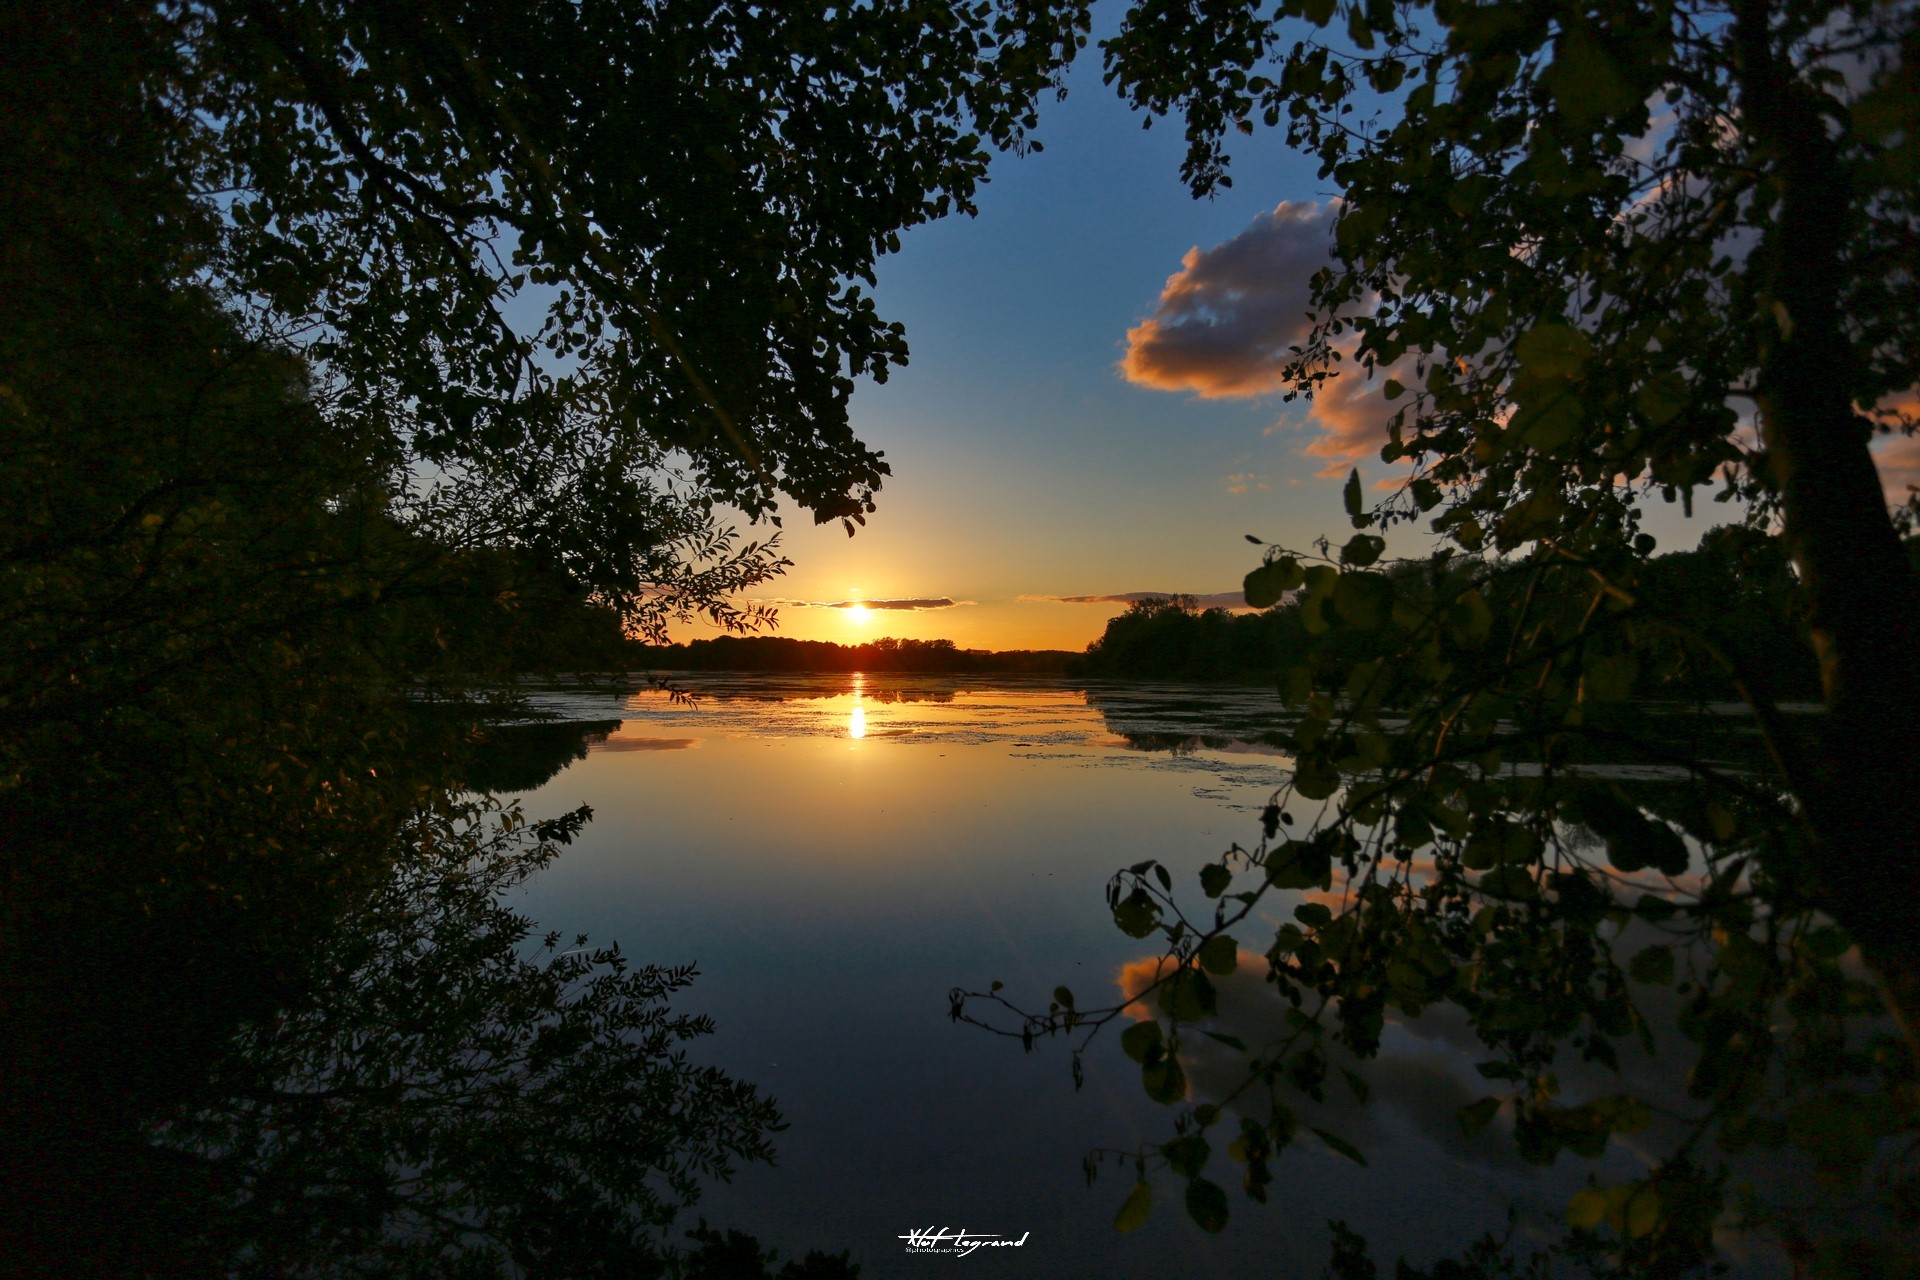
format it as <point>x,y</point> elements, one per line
<point>858,613</point>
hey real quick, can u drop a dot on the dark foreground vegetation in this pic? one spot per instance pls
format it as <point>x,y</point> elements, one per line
<point>284,491</point>
<point>354,354</point>
<point>1736,589</point>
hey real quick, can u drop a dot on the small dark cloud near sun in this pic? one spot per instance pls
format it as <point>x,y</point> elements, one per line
<point>1209,600</point>
<point>915,603</point>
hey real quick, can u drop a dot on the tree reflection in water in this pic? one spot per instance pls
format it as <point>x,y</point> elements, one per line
<point>447,1098</point>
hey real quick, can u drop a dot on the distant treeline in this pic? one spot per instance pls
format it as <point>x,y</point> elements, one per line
<point>780,653</point>
<point>1737,588</point>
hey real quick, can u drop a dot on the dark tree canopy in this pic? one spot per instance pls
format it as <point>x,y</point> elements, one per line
<point>356,352</point>
<point>546,248</point>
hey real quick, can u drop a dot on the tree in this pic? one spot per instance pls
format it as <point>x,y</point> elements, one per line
<point>1590,248</point>
<point>1587,331</point>
<point>328,332</point>
<point>541,249</point>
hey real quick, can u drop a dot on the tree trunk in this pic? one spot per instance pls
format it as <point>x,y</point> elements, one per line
<point>1864,603</point>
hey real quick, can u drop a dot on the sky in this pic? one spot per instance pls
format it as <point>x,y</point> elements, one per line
<point>1028,468</point>
<point>1090,412</point>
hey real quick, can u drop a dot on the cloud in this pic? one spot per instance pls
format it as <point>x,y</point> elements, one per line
<point>1210,600</point>
<point>1241,481</point>
<point>1225,322</point>
<point>1352,417</point>
<point>915,603</point>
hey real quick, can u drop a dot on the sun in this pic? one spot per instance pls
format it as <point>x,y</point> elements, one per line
<point>858,613</point>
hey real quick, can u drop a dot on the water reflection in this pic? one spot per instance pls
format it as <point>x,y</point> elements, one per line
<point>989,814</point>
<point>990,811</point>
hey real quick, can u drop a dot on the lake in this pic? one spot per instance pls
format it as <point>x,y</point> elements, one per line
<point>837,852</point>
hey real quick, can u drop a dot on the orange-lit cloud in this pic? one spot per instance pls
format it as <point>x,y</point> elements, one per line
<point>1352,416</point>
<point>1225,320</point>
<point>1241,481</point>
<point>1225,325</point>
<point>1210,600</point>
<point>915,604</point>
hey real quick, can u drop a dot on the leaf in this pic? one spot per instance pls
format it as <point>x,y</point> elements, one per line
<point>1219,955</point>
<point>1643,1211</point>
<point>1215,879</point>
<point>1063,997</point>
<point>1625,1114</point>
<point>1553,351</point>
<point>1633,840</point>
<point>1136,914</point>
<point>1587,1209</point>
<point>1662,398</point>
<point>1364,601</point>
<point>1186,1156</point>
<point>1350,495</point>
<point>1135,1208</point>
<point>1470,617</point>
<point>1207,1205</point>
<point>1311,782</point>
<point>1165,1082</point>
<point>1653,966</point>
<point>1341,1146</point>
<point>1515,884</point>
<point>1362,549</point>
<point>1610,677</point>
<point>1232,1042</point>
<point>1262,587</point>
<point>1356,1084</point>
<point>1140,1040</point>
<point>1477,1116</point>
<point>1587,84</point>
<point>1187,996</point>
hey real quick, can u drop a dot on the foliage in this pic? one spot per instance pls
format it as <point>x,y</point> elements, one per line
<point>446,1099</point>
<point>1736,587</point>
<point>1584,246</point>
<point>273,467</point>
<point>540,247</point>
<point>1169,638</point>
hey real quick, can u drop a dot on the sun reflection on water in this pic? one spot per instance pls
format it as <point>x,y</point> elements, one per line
<point>857,718</point>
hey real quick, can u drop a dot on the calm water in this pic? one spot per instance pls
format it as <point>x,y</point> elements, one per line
<point>837,852</point>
